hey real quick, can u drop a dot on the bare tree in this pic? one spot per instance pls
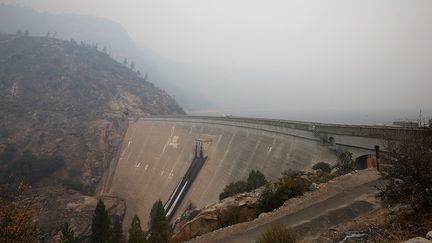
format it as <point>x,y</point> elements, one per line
<point>409,178</point>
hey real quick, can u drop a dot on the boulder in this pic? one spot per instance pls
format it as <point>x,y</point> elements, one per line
<point>418,240</point>
<point>429,235</point>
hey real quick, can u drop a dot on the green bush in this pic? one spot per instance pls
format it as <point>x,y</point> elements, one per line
<point>265,202</point>
<point>233,189</point>
<point>328,177</point>
<point>286,188</point>
<point>277,234</point>
<point>73,171</point>
<point>229,216</point>
<point>33,168</point>
<point>346,163</point>
<point>72,183</point>
<point>255,179</point>
<point>323,166</point>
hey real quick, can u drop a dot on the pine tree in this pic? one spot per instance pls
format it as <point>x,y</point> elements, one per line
<point>159,225</point>
<point>125,61</point>
<point>117,232</point>
<point>136,235</point>
<point>100,224</point>
<point>67,234</point>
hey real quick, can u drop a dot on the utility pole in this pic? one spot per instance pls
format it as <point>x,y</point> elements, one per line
<point>377,148</point>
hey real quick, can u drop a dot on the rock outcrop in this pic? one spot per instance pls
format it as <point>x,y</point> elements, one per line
<point>240,208</point>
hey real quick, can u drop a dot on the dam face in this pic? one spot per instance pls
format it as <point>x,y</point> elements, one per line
<point>156,154</point>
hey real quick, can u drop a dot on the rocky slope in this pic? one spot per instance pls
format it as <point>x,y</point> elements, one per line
<point>62,98</point>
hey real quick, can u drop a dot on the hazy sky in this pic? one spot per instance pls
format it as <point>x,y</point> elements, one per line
<point>324,55</point>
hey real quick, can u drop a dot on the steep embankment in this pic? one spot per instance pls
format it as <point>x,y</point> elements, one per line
<point>156,154</point>
<point>61,98</point>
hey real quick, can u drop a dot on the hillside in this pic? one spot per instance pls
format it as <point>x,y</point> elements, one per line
<point>64,26</point>
<point>63,100</point>
<point>175,78</point>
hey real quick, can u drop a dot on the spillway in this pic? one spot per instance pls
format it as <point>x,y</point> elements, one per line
<point>156,154</point>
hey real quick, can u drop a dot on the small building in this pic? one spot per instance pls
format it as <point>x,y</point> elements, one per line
<point>203,143</point>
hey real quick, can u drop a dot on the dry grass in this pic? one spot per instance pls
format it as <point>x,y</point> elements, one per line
<point>277,234</point>
<point>384,225</point>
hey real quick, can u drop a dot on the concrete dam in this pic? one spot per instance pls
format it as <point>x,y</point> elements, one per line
<point>158,152</point>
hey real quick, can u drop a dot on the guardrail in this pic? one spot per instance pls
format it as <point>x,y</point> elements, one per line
<point>372,131</point>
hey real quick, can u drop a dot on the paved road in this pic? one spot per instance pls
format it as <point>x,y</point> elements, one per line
<point>343,206</point>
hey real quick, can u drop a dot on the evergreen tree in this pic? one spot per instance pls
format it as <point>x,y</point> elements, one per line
<point>67,234</point>
<point>136,235</point>
<point>100,224</point>
<point>160,230</point>
<point>125,61</point>
<point>117,232</point>
<point>19,32</point>
<point>132,66</point>
<point>26,33</point>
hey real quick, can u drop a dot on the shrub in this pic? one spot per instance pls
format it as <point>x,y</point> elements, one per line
<point>290,173</point>
<point>255,179</point>
<point>409,179</point>
<point>323,166</point>
<point>328,177</point>
<point>346,163</point>
<point>233,189</point>
<point>71,183</point>
<point>286,188</point>
<point>33,168</point>
<point>17,214</point>
<point>229,216</point>
<point>265,202</point>
<point>277,234</point>
<point>73,171</point>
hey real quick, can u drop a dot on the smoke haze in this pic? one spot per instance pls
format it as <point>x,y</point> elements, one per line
<point>333,61</point>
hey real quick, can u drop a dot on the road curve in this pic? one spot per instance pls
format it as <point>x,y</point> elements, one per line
<point>342,200</point>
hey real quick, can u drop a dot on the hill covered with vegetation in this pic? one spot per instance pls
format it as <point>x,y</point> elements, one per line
<point>65,107</point>
<point>64,99</point>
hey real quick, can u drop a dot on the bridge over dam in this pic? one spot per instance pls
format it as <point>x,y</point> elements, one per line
<point>157,153</point>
